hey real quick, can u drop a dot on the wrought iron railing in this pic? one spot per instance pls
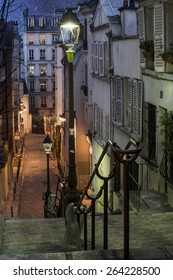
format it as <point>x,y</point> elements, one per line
<point>125,157</point>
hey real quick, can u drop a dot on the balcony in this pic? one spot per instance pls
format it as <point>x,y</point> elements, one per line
<point>42,42</point>
<point>43,74</point>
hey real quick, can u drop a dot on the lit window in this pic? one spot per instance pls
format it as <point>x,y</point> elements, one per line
<point>42,39</point>
<point>43,70</point>
<point>31,22</point>
<point>31,39</point>
<point>43,86</point>
<point>31,70</point>
<point>42,21</point>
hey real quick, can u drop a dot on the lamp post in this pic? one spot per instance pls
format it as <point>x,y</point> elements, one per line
<point>47,144</point>
<point>70,28</point>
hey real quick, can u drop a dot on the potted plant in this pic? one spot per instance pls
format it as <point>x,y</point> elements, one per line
<point>167,54</point>
<point>147,47</point>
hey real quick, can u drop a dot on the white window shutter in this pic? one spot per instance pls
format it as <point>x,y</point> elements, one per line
<point>141,20</point>
<point>101,59</point>
<point>135,107</point>
<point>96,58</point>
<point>119,100</point>
<point>140,102</point>
<point>92,56</point>
<point>130,100</point>
<point>106,58</point>
<point>159,36</point>
<point>113,99</point>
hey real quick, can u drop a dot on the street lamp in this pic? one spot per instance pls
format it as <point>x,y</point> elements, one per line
<point>70,28</point>
<point>47,144</point>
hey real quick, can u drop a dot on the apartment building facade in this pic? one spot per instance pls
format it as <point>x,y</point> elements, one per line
<point>11,92</point>
<point>155,23</point>
<point>130,95</point>
<point>40,36</point>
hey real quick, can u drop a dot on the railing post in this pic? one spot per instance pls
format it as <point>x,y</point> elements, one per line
<point>93,226</point>
<point>105,231</point>
<point>126,209</point>
<point>126,157</point>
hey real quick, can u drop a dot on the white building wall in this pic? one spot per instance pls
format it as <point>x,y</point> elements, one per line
<point>126,57</point>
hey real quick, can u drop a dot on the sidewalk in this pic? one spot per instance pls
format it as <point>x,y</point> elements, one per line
<point>28,201</point>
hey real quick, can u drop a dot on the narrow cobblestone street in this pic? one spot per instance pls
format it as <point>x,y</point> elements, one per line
<point>33,181</point>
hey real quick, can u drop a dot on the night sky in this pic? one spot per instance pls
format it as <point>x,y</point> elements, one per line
<point>36,7</point>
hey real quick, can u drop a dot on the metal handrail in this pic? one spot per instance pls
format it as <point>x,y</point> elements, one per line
<point>126,157</point>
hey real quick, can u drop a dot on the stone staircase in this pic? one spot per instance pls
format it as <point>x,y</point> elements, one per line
<point>150,238</point>
<point>29,236</point>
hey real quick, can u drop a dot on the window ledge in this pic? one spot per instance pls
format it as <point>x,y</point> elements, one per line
<point>164,75</point>
<point>127,131</point>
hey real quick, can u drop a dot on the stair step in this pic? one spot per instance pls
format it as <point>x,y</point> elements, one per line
<point>32,235</point>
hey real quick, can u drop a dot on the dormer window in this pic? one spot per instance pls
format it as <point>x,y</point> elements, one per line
<point>53,21</point>
<point>31,22</point>
<point>42,21</point>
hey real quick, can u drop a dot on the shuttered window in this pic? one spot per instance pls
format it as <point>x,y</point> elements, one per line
<point>96,58</point>
<point>129,106</point>
<point>117,99</point>
<point>106,58</point>
<point>92,56</point>
<point>127,102</point>
<point>134,105</point>
<point>159,36</point>
<point>101,59</point>
<point>113,100</point>
<point>141,34</point>
<point>137,106</point>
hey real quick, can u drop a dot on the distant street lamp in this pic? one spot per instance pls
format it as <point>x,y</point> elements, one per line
<point>47,144</point>
<point>70,28</point>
